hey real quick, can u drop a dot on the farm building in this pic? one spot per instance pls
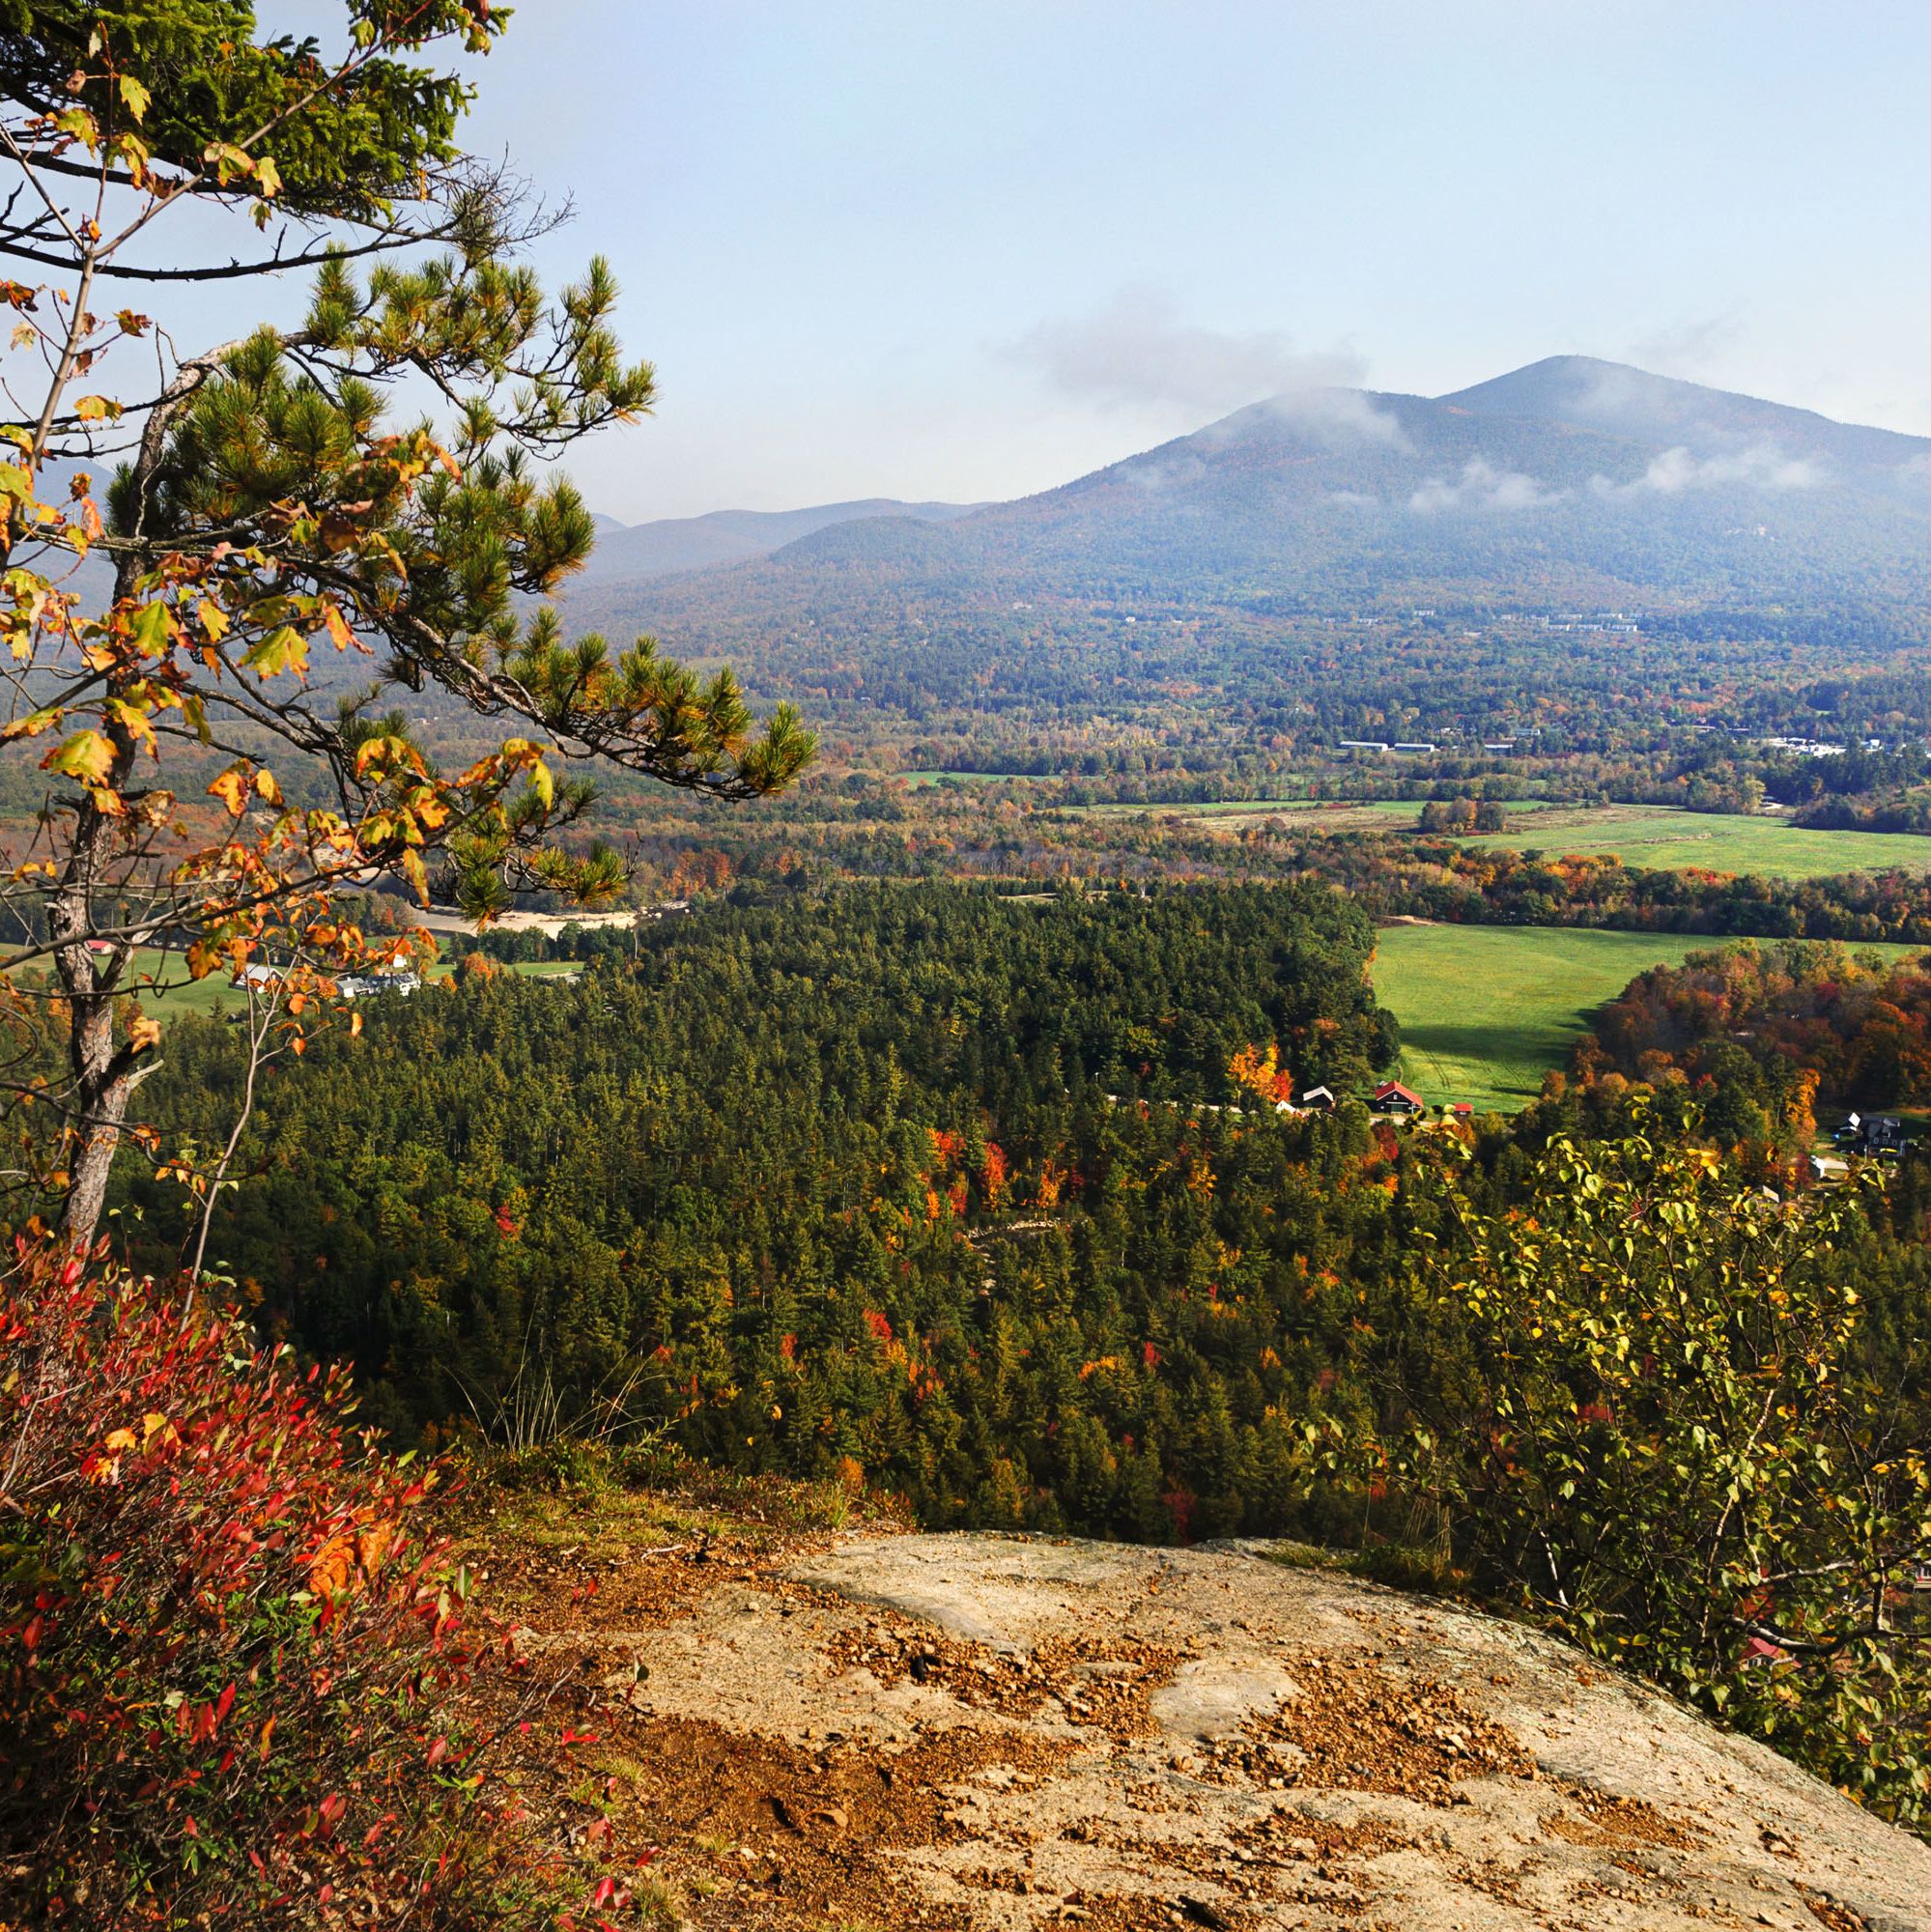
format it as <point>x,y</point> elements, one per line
<point>1316,1100</point>
<point>1880,1134</point>
<point>1392,1098</point>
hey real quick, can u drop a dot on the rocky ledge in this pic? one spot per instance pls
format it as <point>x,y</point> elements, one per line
<point>993,1732</point>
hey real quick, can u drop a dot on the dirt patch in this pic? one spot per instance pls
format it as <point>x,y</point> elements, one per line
<point>1834,1914</point>
<point>769,1828</point>
<point>1087,1681</point>
<point>1354,1727</point>
<point>1618,1822</point>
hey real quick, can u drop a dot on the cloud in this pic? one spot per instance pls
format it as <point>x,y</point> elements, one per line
<point>1138,353</point>
<point>1689,348</point>
<point>1760,467</point>
<point>1338,416</point>
<point>1483,487</point>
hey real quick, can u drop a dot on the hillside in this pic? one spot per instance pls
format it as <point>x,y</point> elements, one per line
<point>993,1733</point>
<point>1568,483</point>
<point>629,552</point>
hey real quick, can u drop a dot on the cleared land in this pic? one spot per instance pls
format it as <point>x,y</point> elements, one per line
<point>1485,1010</point>
<point>1669,841</point>
<point>180,995</point>
<point>1661,837</point>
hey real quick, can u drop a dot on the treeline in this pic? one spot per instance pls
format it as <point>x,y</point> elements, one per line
<point>1762,1030</point>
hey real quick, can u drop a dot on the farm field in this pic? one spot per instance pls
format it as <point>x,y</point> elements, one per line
<point>1665,839</point>
<point>1487,1010</point>
<point>1661,837</point>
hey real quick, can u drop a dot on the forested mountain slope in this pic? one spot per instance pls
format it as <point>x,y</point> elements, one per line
<point>1568,484</point>
<point>631,551</point>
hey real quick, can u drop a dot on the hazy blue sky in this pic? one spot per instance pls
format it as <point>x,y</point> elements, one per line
<point>971,249</point>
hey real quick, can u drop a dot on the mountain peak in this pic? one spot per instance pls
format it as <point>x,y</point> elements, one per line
<point>1618,399</point>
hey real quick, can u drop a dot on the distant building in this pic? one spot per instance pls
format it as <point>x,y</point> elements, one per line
<point>1458,1110</point>
<point>1392,1098</point>
<point>1316,1100</point>
<point>1880,1134</point>
<point>361,986</point>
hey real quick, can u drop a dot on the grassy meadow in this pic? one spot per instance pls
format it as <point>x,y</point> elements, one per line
<point>1661,837</point>
<point>1665,840</point>
<point>1487,1010</point>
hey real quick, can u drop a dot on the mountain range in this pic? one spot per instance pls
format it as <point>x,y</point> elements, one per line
<point>628,551</point>
<point>1570,481</point>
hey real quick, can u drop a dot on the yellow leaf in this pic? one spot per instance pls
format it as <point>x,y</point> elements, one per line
<point>145,1035</point>
<point>119,1439</point>
<point>94,409</point>
<point>232,789</point>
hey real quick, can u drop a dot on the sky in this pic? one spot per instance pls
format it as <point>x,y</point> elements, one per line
<point>966,249</point>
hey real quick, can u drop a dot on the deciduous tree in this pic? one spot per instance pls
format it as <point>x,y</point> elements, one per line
<point>367,485</point>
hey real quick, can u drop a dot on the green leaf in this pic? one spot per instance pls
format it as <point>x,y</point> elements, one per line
<point>133,96</point>
<point>150,629</point>
<point>87,756</point>
<point>286,649</point>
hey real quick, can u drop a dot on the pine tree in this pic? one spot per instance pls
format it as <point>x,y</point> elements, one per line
<point>271,498</point>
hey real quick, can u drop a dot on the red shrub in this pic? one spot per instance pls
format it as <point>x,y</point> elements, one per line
<point>227,1636</point>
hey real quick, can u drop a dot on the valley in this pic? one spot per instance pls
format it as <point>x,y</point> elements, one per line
<point>1075,1070</point>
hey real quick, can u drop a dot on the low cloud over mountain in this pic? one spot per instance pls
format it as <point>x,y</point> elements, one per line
<point>1569,481</point>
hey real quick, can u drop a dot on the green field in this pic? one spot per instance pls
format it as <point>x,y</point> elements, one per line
<point>1661,837</point>
<point>214,995</point>
<point>1675,842</point>
<point>1487,1010</point>
<point>919,778</point>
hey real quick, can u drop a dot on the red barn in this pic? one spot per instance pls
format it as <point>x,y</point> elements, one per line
<point>1392,1098</point>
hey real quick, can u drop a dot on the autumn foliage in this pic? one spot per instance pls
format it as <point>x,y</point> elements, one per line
<point>1777,1023</point>
<point>229,1636</point>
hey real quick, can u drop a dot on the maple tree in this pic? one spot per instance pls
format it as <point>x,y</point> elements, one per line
<point>216,768</point>
<point>241,1674</point>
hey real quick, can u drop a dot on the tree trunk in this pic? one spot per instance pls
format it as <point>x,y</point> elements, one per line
<point>101,1076</point>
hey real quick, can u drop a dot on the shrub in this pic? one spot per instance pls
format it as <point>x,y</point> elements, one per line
<point>231,1641</point>
<point>1645,1402</point>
